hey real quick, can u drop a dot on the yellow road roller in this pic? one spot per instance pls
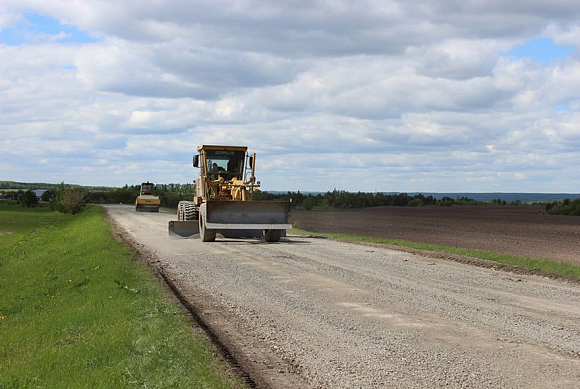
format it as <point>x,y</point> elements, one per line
<point>147,201</point>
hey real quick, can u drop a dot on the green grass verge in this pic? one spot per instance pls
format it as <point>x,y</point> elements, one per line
<point>77,311</point>
<point>546,265</point>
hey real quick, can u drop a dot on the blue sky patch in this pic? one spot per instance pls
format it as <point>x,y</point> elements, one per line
<point>542,50</point>
<point>563,107</point>
<point>36,28</point>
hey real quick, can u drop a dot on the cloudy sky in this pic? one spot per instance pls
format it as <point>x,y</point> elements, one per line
<point>472,96</point>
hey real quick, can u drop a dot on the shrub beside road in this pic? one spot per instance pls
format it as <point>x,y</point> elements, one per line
<point>76,311</point>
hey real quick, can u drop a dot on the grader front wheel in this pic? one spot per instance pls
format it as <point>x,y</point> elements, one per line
<point>206,234</point>
<point>272,235</point>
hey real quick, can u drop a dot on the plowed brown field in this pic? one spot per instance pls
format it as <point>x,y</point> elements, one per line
<point>522,231</point>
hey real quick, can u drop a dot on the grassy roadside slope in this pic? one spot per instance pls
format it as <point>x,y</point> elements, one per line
<point>545,265</point>
<point>76,311</point>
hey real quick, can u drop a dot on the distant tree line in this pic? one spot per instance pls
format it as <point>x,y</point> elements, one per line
<point>564,207</point>
<point>70,197</point>
<point>169,194</point>
<point>67,198</point>
<point>344,200</point>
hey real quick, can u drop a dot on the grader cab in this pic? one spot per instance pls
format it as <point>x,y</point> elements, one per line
<point>223,199</point>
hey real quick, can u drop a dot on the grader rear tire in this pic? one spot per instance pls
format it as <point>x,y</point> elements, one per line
<point>181,211</point>
<point>205,234</point>
<point>186,210</point>
<point>190,211</point>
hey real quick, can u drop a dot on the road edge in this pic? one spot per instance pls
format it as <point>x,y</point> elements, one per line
<point>204,318</point>
<point>484,263</point>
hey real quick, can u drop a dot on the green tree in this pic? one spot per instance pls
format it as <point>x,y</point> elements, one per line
<point>415,203</point>
<point>309,203</point>
<point>69,199</point>
<point>46,196</point>
<point>28,199</point>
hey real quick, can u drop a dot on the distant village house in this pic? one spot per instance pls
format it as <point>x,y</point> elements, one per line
<point>39,193</point>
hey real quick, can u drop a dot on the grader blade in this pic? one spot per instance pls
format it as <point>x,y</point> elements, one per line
<point>247,215</point>
<point>183,228</point>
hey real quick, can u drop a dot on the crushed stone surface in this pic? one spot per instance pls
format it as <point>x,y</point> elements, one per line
<point>343,315</point>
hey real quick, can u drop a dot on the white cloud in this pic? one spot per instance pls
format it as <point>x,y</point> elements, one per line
<point>385,95</point>
<point>8,18</point>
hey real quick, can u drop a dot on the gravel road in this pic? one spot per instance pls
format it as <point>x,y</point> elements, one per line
<point>309,312</point>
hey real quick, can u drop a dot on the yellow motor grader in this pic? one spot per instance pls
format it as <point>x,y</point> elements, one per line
<point>147,201</point>
<point>223,199</point>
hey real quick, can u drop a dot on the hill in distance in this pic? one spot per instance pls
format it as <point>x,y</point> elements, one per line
<point>41,185</point>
